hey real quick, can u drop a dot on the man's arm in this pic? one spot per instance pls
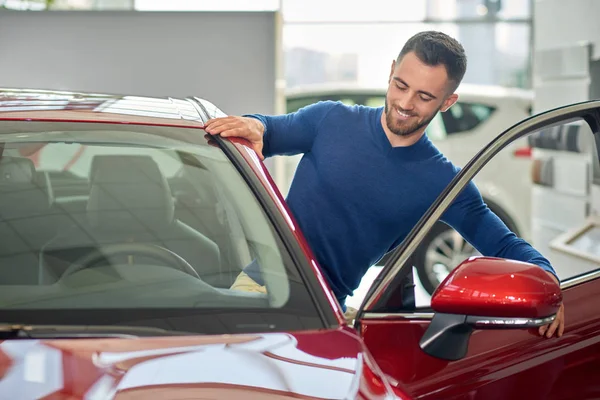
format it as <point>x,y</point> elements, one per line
<point>471,217</point>
<point>287,134</point>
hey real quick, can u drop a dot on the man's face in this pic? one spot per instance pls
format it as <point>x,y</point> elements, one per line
<point>416,92</point>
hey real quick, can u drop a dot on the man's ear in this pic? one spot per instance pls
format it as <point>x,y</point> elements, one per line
<point>449,102</point>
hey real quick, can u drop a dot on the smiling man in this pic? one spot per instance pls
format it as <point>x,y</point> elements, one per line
<point>368,174</point>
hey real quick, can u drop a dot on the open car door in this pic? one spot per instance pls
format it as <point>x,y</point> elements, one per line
<point>477,337</point>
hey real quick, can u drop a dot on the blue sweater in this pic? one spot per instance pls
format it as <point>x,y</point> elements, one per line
<point>356,197</point>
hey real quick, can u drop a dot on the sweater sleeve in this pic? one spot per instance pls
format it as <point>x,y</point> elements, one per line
<point>293,133</point>
<point>478,225</point>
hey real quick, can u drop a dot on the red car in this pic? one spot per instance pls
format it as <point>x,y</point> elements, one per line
<point>127,235</point>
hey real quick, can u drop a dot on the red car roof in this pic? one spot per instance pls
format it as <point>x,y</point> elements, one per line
<point>43,105</point>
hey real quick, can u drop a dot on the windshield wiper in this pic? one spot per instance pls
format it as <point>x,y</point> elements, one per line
<point>24,331</point>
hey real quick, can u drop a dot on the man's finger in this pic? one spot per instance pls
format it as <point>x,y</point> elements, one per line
<point>552,328</point>
<point>219,119</point>
<point>212,122</point>
<point>557,326</point>
<point>225,128</point>
<point>217,122</point>
<point>561,328</point>
<point>218,126</point>
<point>561,322</point>
<point>211,141</point>
<point>258,150</point>
<point>234,131</point>
<point>211,128</point>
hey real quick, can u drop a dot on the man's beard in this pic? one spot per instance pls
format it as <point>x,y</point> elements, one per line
<point>407,130</point>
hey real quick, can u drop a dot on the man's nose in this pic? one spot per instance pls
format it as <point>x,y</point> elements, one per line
<point>406,102</point>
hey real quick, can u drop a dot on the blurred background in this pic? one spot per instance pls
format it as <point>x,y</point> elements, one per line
<point>352,41</point>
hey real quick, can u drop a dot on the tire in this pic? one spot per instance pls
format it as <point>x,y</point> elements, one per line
<point>443,249</point>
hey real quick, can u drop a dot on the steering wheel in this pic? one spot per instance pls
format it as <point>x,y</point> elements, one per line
<point>170,258</point>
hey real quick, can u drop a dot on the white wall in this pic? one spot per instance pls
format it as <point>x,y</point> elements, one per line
<point>567,50</point>
<point>566,39</point>
<point>560,23</point>
<point>226,57</point>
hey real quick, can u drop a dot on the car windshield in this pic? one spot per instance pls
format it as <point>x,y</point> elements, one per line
<point>138,225</point>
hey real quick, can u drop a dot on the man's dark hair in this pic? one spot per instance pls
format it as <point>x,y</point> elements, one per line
<point>435,48</point>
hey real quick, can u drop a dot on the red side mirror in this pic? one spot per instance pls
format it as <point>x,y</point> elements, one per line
<point>488,293</point>
<point>495,287</point>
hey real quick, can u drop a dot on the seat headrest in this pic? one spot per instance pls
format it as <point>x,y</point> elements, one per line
<point>16,170</point>
<point>22,194</point>
<point>128,193</point>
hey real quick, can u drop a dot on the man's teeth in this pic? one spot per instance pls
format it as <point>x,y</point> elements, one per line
<point>403,115</point>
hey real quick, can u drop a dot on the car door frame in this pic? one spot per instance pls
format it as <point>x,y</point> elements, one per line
<point>392,327</point>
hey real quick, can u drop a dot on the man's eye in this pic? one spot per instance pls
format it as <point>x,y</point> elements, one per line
<point>425,98</point>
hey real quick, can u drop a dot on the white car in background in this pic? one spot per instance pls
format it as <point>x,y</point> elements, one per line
<point>481,113</point>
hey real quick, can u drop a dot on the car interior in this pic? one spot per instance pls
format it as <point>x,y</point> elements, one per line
<point>125,228</point>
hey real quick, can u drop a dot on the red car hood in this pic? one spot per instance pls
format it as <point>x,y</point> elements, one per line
<point>323,365</point>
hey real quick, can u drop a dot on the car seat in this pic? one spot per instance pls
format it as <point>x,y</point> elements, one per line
<point>129,202</point>
<point>26,220</point>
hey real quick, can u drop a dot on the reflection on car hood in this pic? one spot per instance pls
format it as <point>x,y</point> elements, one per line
<point>326,364</point>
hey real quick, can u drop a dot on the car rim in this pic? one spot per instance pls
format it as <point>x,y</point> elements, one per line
<point>444,253</point>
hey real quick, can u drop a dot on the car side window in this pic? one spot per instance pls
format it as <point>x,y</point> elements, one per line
<point>350,99</point>
<point>436,129</point>
<point>464,116</point>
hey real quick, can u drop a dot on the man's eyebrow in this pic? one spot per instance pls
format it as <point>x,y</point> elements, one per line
<point>420,91</point>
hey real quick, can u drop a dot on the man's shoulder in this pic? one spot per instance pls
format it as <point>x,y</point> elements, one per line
<point>339,113</point>
<point>442,162</point>
<point>338,106</point>
<point>442,167</point>
<point>448,170</point>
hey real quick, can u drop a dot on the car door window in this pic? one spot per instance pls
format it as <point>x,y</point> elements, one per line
<point>565,200</point>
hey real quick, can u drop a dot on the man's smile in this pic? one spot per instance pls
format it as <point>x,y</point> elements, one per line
<point>403,116</point>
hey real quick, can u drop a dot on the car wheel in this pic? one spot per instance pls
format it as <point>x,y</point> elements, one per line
<point>442,250</point>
